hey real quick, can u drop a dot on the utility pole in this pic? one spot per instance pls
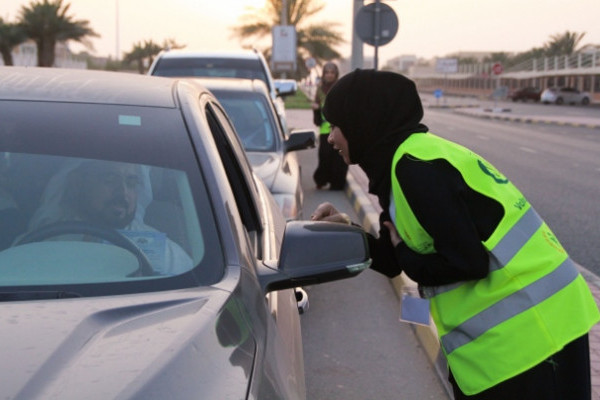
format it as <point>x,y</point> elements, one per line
<point>284,22</point>
<point>356,59</point>
<point>117,50</point>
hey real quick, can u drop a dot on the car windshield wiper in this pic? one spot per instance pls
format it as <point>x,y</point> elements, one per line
<point>37,295</point>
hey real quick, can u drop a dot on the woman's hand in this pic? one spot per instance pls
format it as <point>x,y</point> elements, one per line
<point>327,212</point>
<point>394,235</point>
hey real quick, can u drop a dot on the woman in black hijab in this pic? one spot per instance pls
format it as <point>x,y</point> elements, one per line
<point>450,205</point>
<point>330,168</point>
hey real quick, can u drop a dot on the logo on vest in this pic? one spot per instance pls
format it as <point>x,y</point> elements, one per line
<point>552,240</point>
<point>491,171</point>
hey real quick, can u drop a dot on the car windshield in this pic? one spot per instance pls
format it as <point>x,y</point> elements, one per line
<point>251,117</point>
<point>101,199</point>
<point>210,67</point>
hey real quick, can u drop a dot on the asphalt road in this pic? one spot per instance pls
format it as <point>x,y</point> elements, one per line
<point>556,167</point>
<point>355,348</point>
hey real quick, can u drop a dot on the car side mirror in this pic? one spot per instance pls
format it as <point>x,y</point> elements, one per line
<point>316,252</point>
<point>300,140</point>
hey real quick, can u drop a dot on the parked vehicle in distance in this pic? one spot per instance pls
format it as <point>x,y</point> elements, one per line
<point>270,150</point>
<point>565,95</point>
<point>249,64</point>
<point>137,246</point>
<point>525,94</point>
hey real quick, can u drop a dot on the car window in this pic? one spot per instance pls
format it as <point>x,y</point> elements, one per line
<point>211,67</point>
<point>81,182</point>
<point>239,175</point>
<point>252,119</point>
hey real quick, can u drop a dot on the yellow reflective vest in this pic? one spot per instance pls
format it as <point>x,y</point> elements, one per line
<point>533,301</point>
<point>325,126</point>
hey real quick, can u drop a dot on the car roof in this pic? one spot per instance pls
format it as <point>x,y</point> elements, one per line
<point>241,54</point>
<point>233,84</point>
<point>85,86</point>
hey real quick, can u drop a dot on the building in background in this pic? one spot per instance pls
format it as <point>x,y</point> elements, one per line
<point>25,55</point>
<point>580,70</point>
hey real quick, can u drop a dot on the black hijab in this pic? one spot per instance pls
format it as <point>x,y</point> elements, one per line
<point>376,111</point>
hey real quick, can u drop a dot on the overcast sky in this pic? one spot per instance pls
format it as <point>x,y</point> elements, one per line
<point>427,28</point>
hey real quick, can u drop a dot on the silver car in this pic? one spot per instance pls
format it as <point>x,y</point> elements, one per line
<point>270,149</point>
<point>566,95</point>
<point>138,246</point>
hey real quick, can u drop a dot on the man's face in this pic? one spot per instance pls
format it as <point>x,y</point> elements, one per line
<point>109,195</point>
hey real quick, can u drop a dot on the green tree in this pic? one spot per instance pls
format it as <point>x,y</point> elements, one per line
<point>316,40</point>
<point>500,57</point>
<point>563,44</point>
<point>526,57</point>
<point>137,55</point>
<point>11,35</point>
<point>47,23</point>
<point>142,54</point>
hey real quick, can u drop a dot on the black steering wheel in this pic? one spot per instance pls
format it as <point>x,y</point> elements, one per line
<point>85,228</point>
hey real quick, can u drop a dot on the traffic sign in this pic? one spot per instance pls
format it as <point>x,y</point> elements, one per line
<point>376,24</point>
<point>497,69</point>
<point>310,62</point>
<point>283,55</point>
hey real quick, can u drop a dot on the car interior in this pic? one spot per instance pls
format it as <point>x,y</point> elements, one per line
<point>32,198</point>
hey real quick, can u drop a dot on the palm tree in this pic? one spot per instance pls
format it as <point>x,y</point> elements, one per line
<point>11,35</point>
<point>47,22</point>
<point>313,40</point>
<point>143,53</point>
<point>137,55</point>
<point>564,44</point>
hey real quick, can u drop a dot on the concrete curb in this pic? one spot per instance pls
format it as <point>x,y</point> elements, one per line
<point>368,214</point>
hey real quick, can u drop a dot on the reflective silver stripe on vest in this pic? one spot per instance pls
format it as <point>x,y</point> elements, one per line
<point>515,239</point>
<point>506,249</point>
<point>516,303</point>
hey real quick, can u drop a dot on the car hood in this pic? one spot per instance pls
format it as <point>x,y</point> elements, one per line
<point>266,165</point>
<point>144,346</point>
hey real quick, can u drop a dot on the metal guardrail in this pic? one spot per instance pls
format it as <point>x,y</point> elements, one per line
<point>582,61</point>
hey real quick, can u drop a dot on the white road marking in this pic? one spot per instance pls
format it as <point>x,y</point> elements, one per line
<point>527,149</point>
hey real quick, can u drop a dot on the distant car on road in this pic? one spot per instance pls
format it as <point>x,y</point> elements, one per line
<point>565,95</point>
<point>525,94</point>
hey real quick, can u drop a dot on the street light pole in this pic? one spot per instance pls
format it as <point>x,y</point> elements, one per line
<point>356,59</point>
<point>284,22</point>
<point>117,50</point>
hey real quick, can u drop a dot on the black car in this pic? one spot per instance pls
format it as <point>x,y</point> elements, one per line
<point>526,94</point>
<point>138,247</point>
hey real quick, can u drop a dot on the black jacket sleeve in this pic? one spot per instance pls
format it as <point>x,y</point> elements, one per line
<point>457,218</point>
<point>383,253</point>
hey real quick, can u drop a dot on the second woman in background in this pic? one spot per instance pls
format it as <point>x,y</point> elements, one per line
<point>331,168</point>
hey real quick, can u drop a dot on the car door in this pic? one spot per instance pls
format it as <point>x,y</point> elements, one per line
<point>265,225</point>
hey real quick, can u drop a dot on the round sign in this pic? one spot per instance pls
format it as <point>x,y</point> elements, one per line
<point>497,69</point>
<point>310,62</point>
<point>376,24</point>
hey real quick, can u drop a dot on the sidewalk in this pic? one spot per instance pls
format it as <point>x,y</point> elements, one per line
<point>368,210</point>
